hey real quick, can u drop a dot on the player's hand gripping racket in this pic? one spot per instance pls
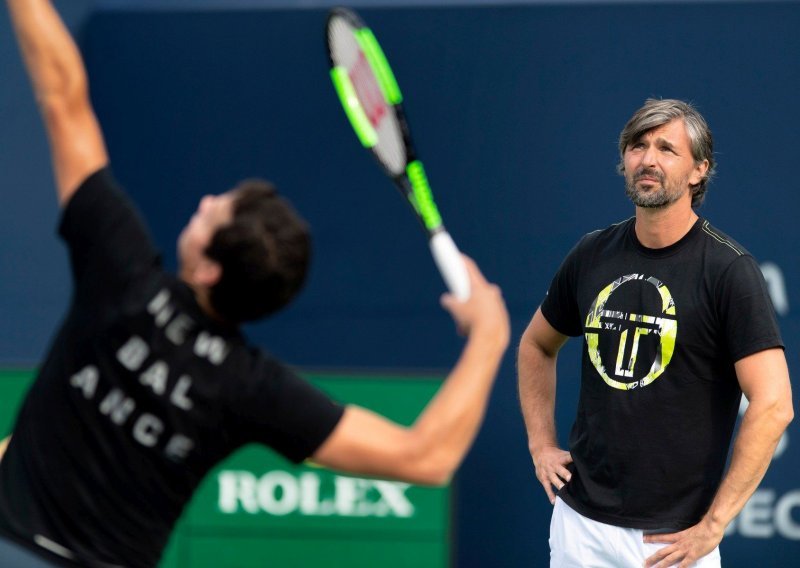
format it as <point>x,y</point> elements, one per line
<point>372,101</point>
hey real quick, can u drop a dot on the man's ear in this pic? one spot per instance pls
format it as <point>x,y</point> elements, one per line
<point>207,272</point>
<point>698,173</point>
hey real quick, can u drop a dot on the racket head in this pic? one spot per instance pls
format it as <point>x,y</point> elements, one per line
<point>368,91</point>
<point>372,101</point>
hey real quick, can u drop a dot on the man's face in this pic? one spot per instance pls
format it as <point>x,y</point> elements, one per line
<point>659,167</point>
<point>213,212</point>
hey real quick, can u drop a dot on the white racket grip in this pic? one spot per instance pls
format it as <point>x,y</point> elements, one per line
<point>451,265</point>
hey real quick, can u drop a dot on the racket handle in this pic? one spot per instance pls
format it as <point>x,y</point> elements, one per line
<point>451,265</point>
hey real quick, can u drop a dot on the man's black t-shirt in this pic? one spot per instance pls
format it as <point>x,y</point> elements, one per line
<point>659,396</point>
<point>140,395</point>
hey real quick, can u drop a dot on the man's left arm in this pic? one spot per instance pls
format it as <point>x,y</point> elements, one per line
<point>3,445</point>
<point>764,380</point>
<point>61,88</point>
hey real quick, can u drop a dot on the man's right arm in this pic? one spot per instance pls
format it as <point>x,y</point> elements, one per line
<point>536,368</point>
<point>61,89</point>
<point>430,451</point>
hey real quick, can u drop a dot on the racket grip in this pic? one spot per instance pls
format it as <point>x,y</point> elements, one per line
<point>451,265</point>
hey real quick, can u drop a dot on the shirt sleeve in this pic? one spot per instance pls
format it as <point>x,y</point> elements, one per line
<point>279,409</point>
<point>560,305</point>
<point>746,310</point>
<point>108,242</point>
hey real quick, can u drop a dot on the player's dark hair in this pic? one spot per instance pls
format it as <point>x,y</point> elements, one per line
<point>264,253</point>
<point>657,112</point>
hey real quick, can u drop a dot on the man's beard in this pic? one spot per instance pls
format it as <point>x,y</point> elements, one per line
<point>656,197</point>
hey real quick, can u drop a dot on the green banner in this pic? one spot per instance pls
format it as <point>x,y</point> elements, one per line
<point>257,509</point>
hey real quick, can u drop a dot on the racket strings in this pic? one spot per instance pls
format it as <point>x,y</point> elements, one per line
<point>346,52</point>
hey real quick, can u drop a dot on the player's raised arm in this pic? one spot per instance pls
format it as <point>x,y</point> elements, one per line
<point>61,89</point>
<point>431,450</point>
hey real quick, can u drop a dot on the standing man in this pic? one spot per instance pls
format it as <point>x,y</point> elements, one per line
<point>148,383</point>
<point>677,324</point>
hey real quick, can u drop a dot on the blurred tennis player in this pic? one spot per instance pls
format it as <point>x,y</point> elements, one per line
<point>148,383</point>
<point>677,325</point>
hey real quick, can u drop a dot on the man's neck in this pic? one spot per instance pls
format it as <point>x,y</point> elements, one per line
<point>659,228</point>
<point>202,296</point>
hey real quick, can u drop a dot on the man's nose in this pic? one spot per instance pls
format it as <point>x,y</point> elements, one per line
<point>649,158</point>
<point>206,201</point>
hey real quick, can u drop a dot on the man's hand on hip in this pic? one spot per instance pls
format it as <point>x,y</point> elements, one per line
<point>551,469</point>
<point>685,547</point>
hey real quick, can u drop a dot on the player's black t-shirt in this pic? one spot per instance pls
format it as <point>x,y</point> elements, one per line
<point>140,395</point>
<point>659,396</point>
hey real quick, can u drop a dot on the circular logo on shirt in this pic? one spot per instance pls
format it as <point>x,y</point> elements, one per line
<point>616,336</point>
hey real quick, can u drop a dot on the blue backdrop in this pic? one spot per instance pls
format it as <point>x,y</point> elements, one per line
<point>516,110</point>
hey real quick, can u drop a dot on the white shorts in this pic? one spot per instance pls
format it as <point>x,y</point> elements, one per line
<point>578,542</point>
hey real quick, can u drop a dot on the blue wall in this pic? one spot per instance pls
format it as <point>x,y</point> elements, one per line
<point>515,109</point>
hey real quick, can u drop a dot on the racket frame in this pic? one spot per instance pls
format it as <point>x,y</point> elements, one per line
<point>412,181</point>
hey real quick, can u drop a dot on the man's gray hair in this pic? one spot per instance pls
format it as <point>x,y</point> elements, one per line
<point>657,112</point>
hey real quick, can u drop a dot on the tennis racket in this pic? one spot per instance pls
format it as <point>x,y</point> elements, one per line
<point>372,102</point>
